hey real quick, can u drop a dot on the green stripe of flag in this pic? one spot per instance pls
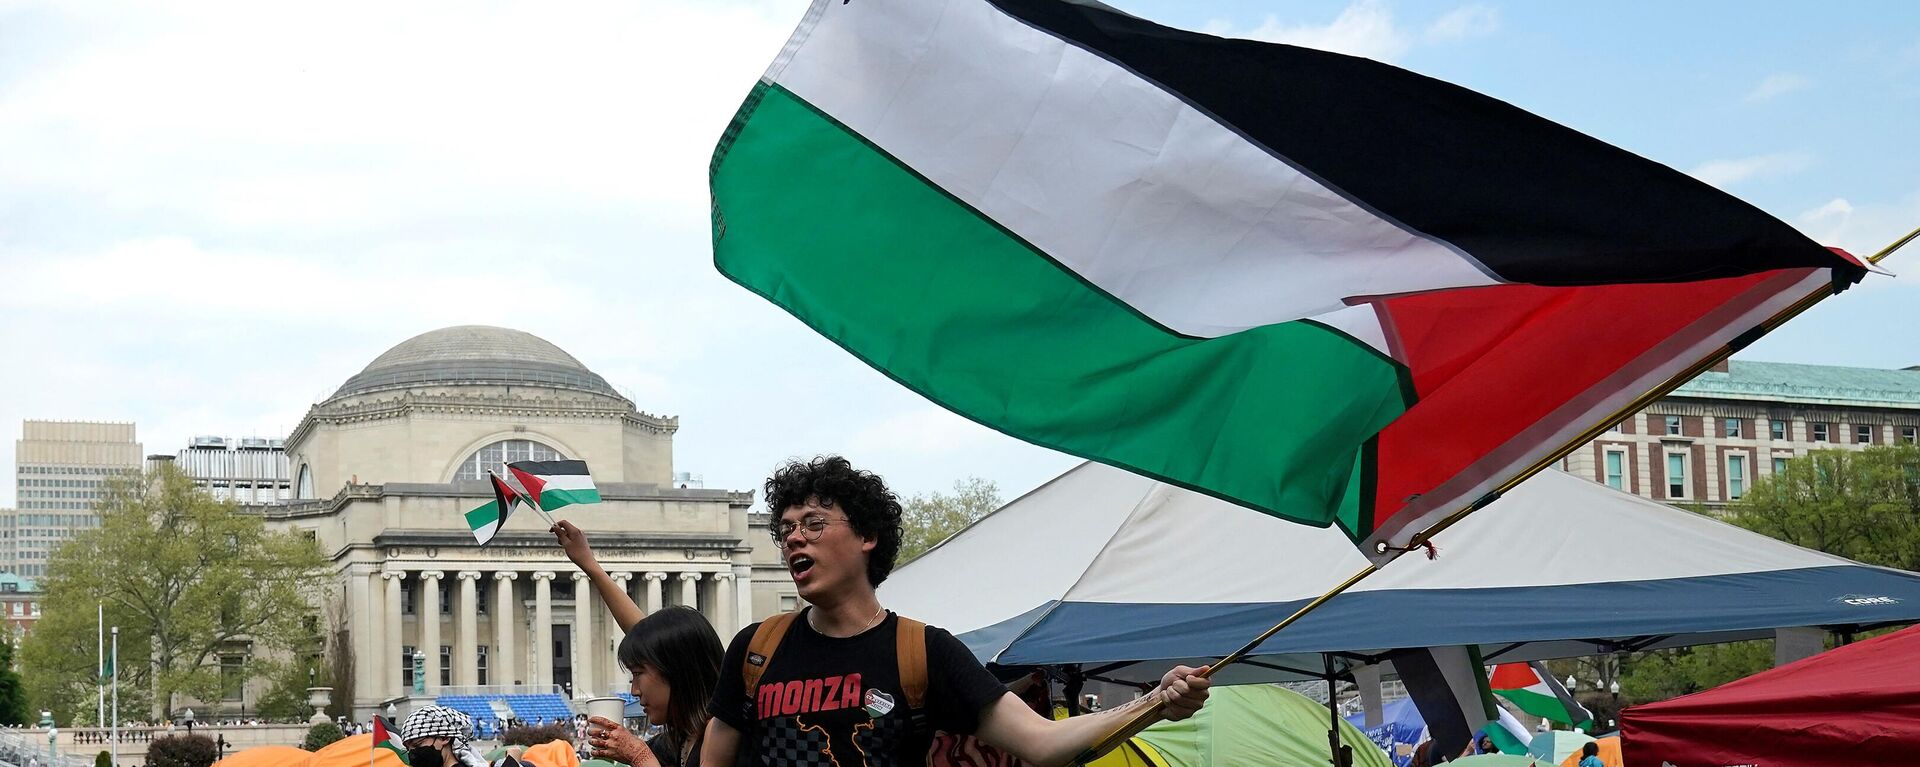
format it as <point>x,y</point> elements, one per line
<point>925,289</point>
<point>552,498</point>
<point>483,516</point>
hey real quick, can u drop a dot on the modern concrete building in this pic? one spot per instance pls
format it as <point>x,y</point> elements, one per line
<point>1712,438</point>
<point>386,466</point>
<point>247,470</point>
<point>59,469</point>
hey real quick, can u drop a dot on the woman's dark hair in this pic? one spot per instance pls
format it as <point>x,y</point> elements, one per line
<point>680,645</point>
<point>872,509</point>
<point>1590,749</point>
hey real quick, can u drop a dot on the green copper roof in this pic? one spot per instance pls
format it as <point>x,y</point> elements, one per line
<point>1811,384</point>
<point>19,583</point>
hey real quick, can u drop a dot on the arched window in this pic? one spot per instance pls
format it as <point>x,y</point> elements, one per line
<point>306,483</point>
<point>492,457</point>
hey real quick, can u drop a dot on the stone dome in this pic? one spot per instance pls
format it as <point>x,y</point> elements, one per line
<point>475,354</point>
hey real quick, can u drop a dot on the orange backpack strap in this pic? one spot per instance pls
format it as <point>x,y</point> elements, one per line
<point>760,650</point>
<point>911,649</point>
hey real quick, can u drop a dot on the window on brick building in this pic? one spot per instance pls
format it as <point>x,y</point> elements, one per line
<point>1863,434</point>
<point>1673,425</point>
<point>1676,475</point>
<point>1736,476</point>
<point>1779,430</point>
<point>1616,469</point>
<point>1733,428</point>
<point>1819,432</point>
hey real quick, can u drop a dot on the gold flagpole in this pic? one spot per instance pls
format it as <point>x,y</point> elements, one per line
<point>1150,712</point>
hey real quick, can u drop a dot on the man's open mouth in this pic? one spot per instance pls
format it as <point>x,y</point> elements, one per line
<point>799,563</point>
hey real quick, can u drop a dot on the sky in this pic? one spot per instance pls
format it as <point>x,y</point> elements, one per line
<point>213,213</point>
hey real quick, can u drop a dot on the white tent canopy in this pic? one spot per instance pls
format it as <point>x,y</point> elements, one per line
<point>1103,568</point>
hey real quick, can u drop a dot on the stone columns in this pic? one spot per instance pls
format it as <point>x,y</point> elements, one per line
<point>690,590</point>
<point>359,586</point>
<point>654,600</point>
<point>396,588</point>
<point>586,643</point>
<point>466,654</point>
<point>429,614</point>
<point>723,605</point>
<point>743,599</point>
<point>542,629</point>
<point>504,660</point>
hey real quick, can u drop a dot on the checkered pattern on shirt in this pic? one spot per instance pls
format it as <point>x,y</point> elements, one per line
<point>782,742</point>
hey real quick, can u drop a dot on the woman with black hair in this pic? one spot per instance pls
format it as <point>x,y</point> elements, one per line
<point>674,656</point>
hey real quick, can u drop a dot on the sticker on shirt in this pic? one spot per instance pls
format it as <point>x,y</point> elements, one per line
<point>878,703</point>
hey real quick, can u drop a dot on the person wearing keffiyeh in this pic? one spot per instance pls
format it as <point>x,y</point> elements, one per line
<point>437,736</point>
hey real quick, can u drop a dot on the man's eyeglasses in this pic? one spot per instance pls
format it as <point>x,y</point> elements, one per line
<point>810,528</point>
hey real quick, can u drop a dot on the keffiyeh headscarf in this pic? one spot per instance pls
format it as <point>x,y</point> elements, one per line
<point>443,722</point>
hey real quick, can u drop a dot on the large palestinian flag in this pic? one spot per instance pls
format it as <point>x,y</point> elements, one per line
<point>387,738</point>
<point>553,484</point>
<point>1316,285</point>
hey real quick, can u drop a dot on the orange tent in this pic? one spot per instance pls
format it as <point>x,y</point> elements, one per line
<point>268,756</point>
<point>353,752</point>
<point>1609,753</point>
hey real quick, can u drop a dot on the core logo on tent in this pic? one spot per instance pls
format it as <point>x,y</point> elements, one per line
<point>1858,600</point>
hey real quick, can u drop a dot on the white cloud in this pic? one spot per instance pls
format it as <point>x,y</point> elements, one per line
<point>1778,85</point>
<point>1864,228</point>
<point>1366,28</point>
<point>1464,23</point>
<point>1726,173</point>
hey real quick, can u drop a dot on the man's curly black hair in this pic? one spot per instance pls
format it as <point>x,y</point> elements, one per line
<point>871,509</point>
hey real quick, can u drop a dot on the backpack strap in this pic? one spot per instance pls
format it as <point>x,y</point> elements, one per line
<point>760,649</point>
<point>911,650</point>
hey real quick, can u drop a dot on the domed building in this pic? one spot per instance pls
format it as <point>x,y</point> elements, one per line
<point>386,467</point>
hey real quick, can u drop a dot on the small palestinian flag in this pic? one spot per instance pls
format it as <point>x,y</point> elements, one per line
<point>1529,687</point>
<point>385,737</point>
<point>488,519</point>
<point>552,484</point>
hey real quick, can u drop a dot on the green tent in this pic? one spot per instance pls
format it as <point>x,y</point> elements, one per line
<point>1257,724</point>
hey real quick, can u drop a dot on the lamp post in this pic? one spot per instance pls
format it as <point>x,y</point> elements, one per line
<point>1614,688</point>
<point>53,746</point>
<point>188,719</point>
<point>391,711</point>
<point>1571,683</point>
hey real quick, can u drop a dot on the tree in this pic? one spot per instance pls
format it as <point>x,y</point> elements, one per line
<point>929,519</point>
<point>322,734</point>
<point>182,751</point>
<point>187,579</point>
<point>13,696</point>
<point>1863,505</point>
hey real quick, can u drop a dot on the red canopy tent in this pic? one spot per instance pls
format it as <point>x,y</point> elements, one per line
<point>1854,705</point>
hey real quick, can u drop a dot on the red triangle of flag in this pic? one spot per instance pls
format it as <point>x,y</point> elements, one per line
<point>530,483</point>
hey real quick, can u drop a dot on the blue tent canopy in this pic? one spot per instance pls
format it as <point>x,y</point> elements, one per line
<point>1108,570</point>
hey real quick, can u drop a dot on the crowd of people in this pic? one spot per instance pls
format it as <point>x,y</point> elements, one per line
<point>843,679</point>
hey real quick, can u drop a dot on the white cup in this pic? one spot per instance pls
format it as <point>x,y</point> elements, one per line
<point>610,708</point>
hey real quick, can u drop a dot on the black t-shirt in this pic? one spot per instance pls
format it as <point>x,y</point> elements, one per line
<point>832,701</point>
<point>668,755</point>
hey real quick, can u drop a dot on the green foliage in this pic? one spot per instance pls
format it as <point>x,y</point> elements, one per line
<point>929,519</point>
<point>319,735</point>
<point>1863,505</point>
<point>534,736</point>
<point>287,682</point>
<point>182,751</point>
<point>13,695</point>
<point>103,759</point>
<point>185,577</point>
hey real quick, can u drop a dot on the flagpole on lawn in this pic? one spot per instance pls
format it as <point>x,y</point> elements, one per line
<point>1148,712</point>
<point>114,734</point>
<point>100,662</point>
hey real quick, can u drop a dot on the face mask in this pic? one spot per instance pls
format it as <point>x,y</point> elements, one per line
<point>424,756</point>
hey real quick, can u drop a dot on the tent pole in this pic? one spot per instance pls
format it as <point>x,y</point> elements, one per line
<point>1139,721</point>
<point>1342,756</point>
